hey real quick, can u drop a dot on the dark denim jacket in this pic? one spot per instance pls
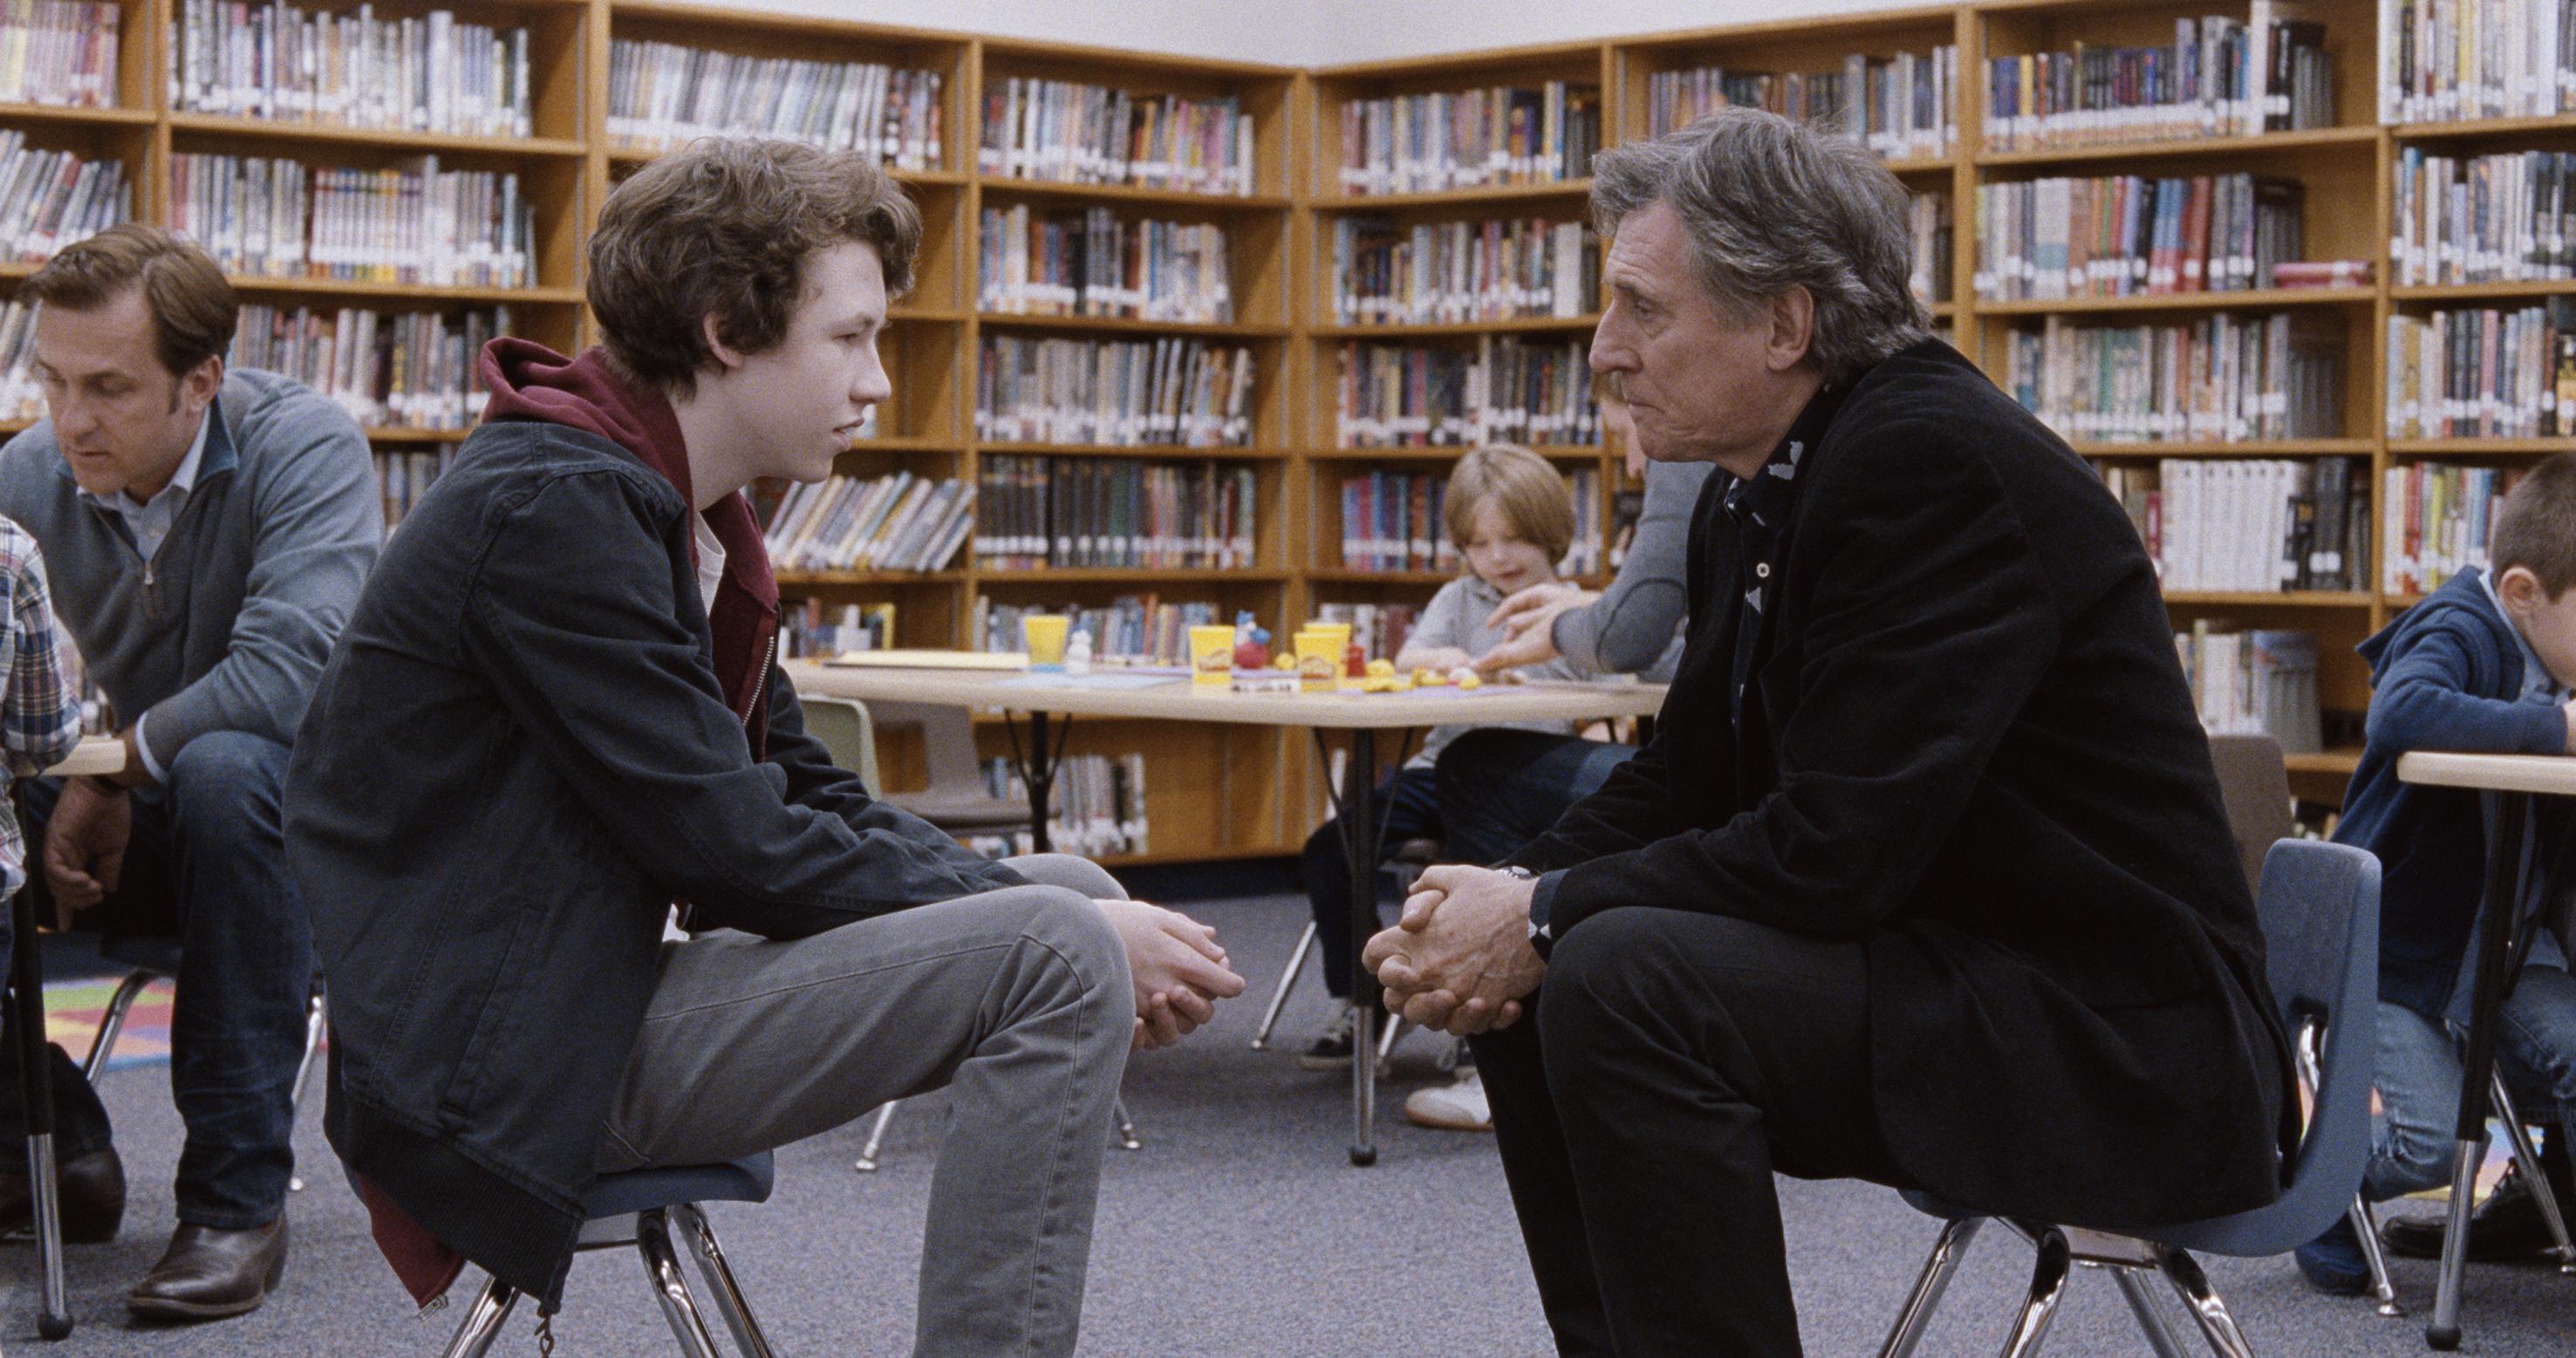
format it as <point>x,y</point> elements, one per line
<point>517,758</point>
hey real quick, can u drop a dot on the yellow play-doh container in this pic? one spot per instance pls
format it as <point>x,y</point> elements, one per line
<point>1044,634</point>
<point>1319,662</point>
<point>1212,656</point>
<point>1340,632</point>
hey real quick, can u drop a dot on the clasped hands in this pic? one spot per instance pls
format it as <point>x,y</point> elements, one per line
<point>1179,970</point>
<point>1460,959</point>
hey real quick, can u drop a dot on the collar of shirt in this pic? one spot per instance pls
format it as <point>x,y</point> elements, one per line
<point>150,520</point>
<point>1761,506</point>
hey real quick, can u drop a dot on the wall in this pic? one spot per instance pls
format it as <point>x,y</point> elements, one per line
<point>1311,32</point>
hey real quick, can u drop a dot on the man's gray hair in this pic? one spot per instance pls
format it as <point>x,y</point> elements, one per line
<point>1768,205</point>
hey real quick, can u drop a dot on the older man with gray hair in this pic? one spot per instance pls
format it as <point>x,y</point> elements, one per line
<point>1924,877</point>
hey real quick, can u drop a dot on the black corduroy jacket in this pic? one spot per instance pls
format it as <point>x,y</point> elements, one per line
<point>1968,745</point>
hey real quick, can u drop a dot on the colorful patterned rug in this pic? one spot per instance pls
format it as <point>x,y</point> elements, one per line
<point>73,1010</point>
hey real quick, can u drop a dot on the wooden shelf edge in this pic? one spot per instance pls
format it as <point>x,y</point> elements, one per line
<point>2312,139</point>
<point>387,138</point>
<point>2239,300</point>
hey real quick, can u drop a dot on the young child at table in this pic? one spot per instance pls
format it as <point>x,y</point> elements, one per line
<point>2483,664</point>
<point>1509,514</point>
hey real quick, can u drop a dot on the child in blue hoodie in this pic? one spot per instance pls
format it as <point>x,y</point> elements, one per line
<point>2483,664</point>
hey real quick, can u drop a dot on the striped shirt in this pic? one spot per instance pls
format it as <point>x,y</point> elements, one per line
<point>40,714</point>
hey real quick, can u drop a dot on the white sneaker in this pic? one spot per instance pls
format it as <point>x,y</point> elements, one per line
<point>1456,1107</point>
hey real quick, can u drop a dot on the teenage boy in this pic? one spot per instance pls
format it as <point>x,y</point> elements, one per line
<point>556,714</point>
<point>2482,665</point>
<point>207,533</point>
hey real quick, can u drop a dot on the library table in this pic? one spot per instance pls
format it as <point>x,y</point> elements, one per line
<point>35,1085</point>
<point>2510,782</point>
<point>1171,697</point>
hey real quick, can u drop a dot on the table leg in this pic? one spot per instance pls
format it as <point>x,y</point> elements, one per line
<point>36,1091</point>
<point>2497,918</point>
<point>1358,821</point>
<point>1037,770</point>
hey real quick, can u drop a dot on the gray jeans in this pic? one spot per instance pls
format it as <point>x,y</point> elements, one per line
<point>1018,1000</point>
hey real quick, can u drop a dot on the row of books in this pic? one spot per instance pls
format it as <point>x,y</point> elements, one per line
<point>2254,682</point>
<point>663,95</point>
<point>1069,133</point>
<point>2130,236</point>
<point>2222,379</point>
<point>1928,225</point>
<point>1380,629</point>
<point>2220,77</point>
<point>1469,139</point>
<point>1391,522</point>
<point>2484,219</point>
<point>1132,629</point>
<point>405,475</point>
<point>809,629</point>
<point>412,224</point>
<point>1504,390</point>
<point>2439,520</point>
<point>1096,807</point>
<point>59,52</point>
<point>900,522</point>
<point>1426,273</point>
<point>2245,526</point>
<point>1183,392</point>
<point>2454,60</point>
<point>49,199</point>
<point>388,369</point>
<point>1096,263</point>
<point>1115,513</point>
<point>2483,373</point>
<point>1898,106</point>
<point>416,73</point>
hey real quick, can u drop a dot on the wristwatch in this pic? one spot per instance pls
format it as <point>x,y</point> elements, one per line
<point>1538,928</point>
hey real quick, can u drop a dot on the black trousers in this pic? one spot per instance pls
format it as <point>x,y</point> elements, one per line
<point>1670,1063</point>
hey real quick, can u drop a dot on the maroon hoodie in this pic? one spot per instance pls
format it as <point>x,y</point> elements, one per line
<point>529,381</point>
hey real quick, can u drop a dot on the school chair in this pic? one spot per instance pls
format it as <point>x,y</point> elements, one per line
<point>639,1208</point>
<point>2319,910</point>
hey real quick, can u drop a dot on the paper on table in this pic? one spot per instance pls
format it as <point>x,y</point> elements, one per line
<point>1102,681</point>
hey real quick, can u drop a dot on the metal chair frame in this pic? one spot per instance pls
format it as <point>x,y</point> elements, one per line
<point>649,1232</point>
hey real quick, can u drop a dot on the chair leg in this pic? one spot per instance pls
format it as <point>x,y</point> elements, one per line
<point>701,1237</point>
<point>2545,1196</point>
<point>54,1314</point>
<point>111,1023</point>
<point>2365,1223</point>
<point>662,1268</point>
<point>313,1026</point>
<point>1928,1288</point>
<point>867,1163</point>
<point>1287,982</point>
<point>482,1323</point>
<point>2048,1275</point>
<point>2142,1304</point>
<point>2192,1285</point>
<point>1386,1040</point>
<point>1127,1139</point>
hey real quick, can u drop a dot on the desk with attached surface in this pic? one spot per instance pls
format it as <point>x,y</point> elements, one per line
<point>1043,698</point>
<point>2511,781</point>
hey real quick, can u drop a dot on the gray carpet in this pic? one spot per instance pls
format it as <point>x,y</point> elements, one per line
<point>1238,1230</point>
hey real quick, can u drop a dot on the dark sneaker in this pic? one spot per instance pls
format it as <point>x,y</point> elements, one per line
<point>2507,1227</point>
<point>2332,1262</point>
<point>1332,1049</point>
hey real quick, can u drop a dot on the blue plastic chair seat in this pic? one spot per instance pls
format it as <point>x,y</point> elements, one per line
<point>151,952</point>
<point>642,1190</point>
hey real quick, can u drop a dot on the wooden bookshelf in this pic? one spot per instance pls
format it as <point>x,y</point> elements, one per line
<point>1242,793</point>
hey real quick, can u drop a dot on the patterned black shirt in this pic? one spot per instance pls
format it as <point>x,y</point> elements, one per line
<point>1761,508</point>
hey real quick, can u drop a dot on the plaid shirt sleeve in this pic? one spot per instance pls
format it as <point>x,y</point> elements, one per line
<point>40,715</point>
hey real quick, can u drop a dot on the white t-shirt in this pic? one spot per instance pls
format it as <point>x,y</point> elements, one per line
<point>711,562</point>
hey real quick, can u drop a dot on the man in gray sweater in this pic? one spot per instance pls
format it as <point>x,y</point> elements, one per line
<point>206,534</point>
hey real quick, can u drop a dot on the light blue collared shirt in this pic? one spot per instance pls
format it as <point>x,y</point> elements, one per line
<point>150,522</point>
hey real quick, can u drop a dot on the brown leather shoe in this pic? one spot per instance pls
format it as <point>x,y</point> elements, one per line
<point>208,1274</point>
<point>93,1199</point>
